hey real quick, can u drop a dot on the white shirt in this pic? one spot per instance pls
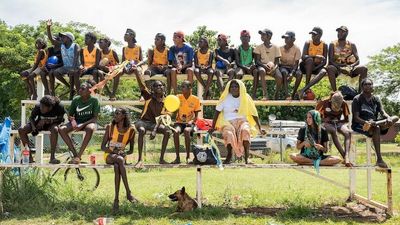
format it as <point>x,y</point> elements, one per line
<point>230,107</point>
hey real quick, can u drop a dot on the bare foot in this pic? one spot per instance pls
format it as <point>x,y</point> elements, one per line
<point>139,165</point>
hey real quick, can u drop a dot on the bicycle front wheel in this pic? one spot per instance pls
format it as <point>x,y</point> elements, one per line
<point>86,179</point>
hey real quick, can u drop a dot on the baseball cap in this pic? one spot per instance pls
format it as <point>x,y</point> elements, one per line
<point>289,34</point>
<point>343,28</point>
<point>131,32</point>
<point>67,34</point>
<point>265,31</point>
<point>223,37</point>
<point>316,30</point>
<point>244,33</point>
<point>180,34</point>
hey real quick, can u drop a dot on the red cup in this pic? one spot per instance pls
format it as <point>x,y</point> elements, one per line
<point>92,159</point>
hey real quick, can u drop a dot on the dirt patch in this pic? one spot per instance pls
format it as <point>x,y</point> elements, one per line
<point>353,211</point>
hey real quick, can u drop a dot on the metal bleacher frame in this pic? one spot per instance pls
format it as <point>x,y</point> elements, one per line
<point>351,186</point>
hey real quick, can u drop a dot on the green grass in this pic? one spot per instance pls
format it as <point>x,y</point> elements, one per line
<point>36,201</point>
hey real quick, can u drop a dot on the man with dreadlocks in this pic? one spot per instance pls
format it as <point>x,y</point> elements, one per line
<point>312,140</point>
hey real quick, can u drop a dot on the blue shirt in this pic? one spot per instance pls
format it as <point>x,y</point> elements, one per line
<point>68,55</point>
<point>182,55</point>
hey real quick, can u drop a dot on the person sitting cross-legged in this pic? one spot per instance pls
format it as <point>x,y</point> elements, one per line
<point>312,140</point>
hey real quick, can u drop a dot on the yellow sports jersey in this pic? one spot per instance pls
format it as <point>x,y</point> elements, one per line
<point>132,53</point>
<point>89,58</point>
<point>203,59</point>
<point>314,50</point>
<point>187,108</point>
<point>117,139</point>
<point>110,56</point>
<point>160,58</point>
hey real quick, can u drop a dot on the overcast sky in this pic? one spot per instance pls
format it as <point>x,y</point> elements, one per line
<point>373,25</point>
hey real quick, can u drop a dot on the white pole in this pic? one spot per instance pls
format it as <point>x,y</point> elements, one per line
<point>198,187</point>
<point>369,170</point>
<point>352,171</point>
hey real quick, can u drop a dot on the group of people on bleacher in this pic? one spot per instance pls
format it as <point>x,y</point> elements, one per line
<point>284,63</point>
<point>235,115</point>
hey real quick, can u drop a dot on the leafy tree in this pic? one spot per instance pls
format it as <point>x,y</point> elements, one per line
<point>384,69</point>
<point>202,31</point>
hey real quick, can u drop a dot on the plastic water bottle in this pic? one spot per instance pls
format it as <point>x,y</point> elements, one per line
<point>103,221</point>
<point>25,155</point>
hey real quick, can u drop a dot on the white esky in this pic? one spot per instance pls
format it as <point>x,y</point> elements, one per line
<point>373,24</point>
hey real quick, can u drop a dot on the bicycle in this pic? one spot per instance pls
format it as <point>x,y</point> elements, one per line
<point>83,177</point>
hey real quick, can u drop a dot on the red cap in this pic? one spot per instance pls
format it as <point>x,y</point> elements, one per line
<point>244,33</point>
<point>223,37</point>
<point>180,34</point>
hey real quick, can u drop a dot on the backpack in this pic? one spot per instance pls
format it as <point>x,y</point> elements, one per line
<point>348,92</point>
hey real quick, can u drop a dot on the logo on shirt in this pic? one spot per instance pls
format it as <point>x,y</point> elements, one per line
<point>81,109</point>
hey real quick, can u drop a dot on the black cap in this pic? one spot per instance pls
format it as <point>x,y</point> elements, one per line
<point>265,31</point>
<point>131,32</point>
<point>316,30</point>
<point>343,28</point>
<point>289,34</point>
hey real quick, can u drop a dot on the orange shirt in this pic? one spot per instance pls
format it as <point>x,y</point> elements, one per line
<point>43,61</point>
<point>187,108</point>
<point>160,58</point>
<point>110,56</point>
<point>89,57</point>
<point>203,58</point>
<point>341,54</point>
<point>314,50</point>
<point>132,53</point>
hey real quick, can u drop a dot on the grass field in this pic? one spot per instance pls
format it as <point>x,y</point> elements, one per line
<point>227,194</point>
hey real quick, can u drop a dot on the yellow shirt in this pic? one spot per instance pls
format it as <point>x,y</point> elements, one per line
<point>110,56</point>
<point>132,53</point>
<point>160,58</point>
<point>89,57</point>
<point>117,139</point>
<point>314,50</point>
<point>203,58</point>
<point>187,108</point>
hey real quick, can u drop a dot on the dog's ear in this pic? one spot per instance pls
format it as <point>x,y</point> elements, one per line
<point>183,190</point>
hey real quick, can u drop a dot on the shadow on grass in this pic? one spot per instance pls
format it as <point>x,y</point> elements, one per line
<point>73,211</point>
